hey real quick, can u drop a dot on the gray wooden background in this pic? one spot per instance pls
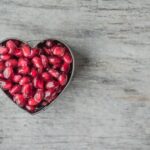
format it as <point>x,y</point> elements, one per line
<point>107,105</point>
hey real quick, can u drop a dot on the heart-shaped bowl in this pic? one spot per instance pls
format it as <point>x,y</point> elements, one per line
<point>40,46</point>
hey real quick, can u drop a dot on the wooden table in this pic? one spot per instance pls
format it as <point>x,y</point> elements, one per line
<point>107,105</point>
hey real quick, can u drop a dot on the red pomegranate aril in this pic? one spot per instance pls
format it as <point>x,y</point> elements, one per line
<point>33,72</point>
<point>32,102</point>
<point>48,94</point>
<point>39,96</point>
<point>11,63</point>
<point>56,66</point>
<point>17,42</point>
<point>19,99</point>
<point>55,60</point>
<point>44,60</point>
<point>49,43</point>
<point>46,76</point>
<point>52,84</point>
<point>16,78</point>
<point>35,82</point>
<point>26,50</point>
<point>23,62</point>
<point>10,44</point>
<point>38,82</point>
<point>24,80</point>
<point>8,72</point>
<point>52,97</point>
<point>6,85</point>
<point>44,103</point>
<point>24,70</point>
<point>48,51</point>
<point>34,52</point>
<point>27,90</point>
<point>67,58</point>
<point>37,62</point>
<point>30,108</point>
<point>2,66</point>
<point>63,79</point>
<point>3,50</point>
<point>15,89</point>
<point>40,70</point>
<point>1,75</point>
<point>5,56</point>
<point>58,51</point>
<point>65,67</point>
<point>18,52</point>
<point>54,73</point>
<point>54,94</point>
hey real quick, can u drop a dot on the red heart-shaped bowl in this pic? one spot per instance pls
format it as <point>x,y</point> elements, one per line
<point>33,77</point>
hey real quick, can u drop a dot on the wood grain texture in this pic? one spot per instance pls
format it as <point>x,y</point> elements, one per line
<point>107,105</point>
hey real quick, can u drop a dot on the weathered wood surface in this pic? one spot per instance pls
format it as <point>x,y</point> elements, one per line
<point>107,105</point>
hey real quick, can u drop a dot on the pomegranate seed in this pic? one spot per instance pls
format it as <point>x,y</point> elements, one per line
<point>16,78</point>
<point>24,70</point>
<point>38,82</point>
<point>35,82</point>
<point>67,58</point>
<point>3,50</point>
<point>11,63</point>
<point>44,60</point>
<point>56,66</point>
<point>5,57</point>
<point>49,43</point>
<point>8,72</point>
<point>63,79</point>
<point>41,84</point>
<point>10,44</point>
<point>53,73</point>
<point>18,52</point>
<point>46,76</point>
<point>20,100</point>
<point>30,108</point>
<point>37,62</point>
<point>32,102</point>
<point>27,90</point>
<point>2,66</point>
<point>55,60</point>
<point>26,50</point>
<point>58,51</point>
<point>40,70</point>
<point>48,51</point>
<point>39,96</point>
<point>65,67</point>
<point>52,97</point>
<point>33,72</point>
<point>17,42</point>
<point>1,75</point>
<point>24,80</point>
<point>48,94</point>
<point>52,84</point>
<point>23,62</point>
<point>34,52</point>
<point>6,85</point>
<point>44,103</point>
<point>15,89</point>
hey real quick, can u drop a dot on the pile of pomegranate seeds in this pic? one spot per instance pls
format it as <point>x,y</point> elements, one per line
<point>34,77</point>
